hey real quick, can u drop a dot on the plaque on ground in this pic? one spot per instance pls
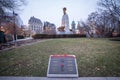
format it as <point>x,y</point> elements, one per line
<point>62,66</point>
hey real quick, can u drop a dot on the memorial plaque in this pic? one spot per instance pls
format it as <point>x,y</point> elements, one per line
<point>62,66</point>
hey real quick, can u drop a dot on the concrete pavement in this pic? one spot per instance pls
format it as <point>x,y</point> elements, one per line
<point>45,78</point>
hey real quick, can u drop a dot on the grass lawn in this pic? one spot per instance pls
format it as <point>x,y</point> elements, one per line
<point>95,57</point>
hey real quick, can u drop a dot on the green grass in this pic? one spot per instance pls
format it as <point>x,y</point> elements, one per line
<point>95,57</point>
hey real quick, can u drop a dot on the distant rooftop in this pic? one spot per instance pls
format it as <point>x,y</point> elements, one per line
<point>34,20</point>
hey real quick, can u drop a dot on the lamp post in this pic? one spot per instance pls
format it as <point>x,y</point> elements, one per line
<point>14,27</point>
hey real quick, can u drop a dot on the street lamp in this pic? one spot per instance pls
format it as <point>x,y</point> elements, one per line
<point>14,27</point>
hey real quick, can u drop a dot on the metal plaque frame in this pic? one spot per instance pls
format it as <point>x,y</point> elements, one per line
<point>62,66</point>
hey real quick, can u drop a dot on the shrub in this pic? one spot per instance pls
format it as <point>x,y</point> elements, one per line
<point>46,36</point>
<point>20,37</point>
<point>39,36</point>
<point>9,38</point>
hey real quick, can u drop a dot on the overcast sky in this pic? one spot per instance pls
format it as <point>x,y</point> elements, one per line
<point>51,10</point>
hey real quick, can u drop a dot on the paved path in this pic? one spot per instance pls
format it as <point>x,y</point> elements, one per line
<point>35,42</point>
<point>29,38</point>
<point>45,78</point>
<point>26,44</point>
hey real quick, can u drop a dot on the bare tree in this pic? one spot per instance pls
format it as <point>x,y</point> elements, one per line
<point>104,23</point>
<point>10,5</point>
<point>113,8</point>
<point>87,28</point>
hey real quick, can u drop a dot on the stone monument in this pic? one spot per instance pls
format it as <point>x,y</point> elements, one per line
<point>64,28</point>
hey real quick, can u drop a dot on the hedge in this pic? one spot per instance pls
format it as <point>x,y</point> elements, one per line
<point>46,36</point>
<point>20,37</point>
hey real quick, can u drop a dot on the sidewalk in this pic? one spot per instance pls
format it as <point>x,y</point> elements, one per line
<point>45,78</point>
<point>29,38</point>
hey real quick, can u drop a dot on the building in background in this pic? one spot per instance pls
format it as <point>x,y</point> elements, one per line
<point>49,28</point>
<point>35,26</point>
<point>11,25</point>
